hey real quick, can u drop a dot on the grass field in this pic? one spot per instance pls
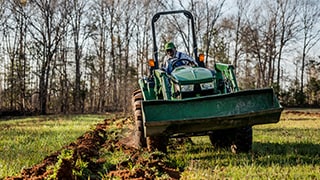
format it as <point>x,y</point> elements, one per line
<point>26,141</point>
<point>289,149</point>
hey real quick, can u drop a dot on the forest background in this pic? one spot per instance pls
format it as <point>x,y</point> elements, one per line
<point>81,56</point>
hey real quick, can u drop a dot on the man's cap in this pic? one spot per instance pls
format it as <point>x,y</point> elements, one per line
<point>169,45</point>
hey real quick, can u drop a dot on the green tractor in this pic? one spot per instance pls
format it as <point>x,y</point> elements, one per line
<point>197,101</point>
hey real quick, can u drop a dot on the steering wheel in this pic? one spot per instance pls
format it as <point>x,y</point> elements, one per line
<point>180,62</point>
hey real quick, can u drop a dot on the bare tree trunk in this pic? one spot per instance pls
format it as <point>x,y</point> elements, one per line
<point>241,8</point>
<point>15,39</point>
<point>310,15</point>
<point>288,28</point>
<point>211,30</point>
<point>46,29</point>
<point>77,17</point>
<point>112,13</point>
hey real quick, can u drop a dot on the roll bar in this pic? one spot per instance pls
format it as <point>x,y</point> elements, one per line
<point>156,17</point>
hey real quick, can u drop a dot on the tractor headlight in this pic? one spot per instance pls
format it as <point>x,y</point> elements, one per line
<point>187,88</point>
<point>206,86</point>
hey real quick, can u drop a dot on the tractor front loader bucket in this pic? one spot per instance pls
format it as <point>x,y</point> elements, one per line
<point>243,108</point>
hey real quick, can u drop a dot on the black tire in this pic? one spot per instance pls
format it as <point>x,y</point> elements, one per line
<point>222,138</point>
<point>237,139</point>
<point>157,143</point>
<point>139,128</point>
<point>153,143</point>
<point>243,139</point>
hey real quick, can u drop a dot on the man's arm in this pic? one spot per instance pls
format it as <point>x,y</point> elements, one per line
<point>185,56</point>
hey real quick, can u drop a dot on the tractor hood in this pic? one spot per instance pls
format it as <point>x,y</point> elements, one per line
<point>191,75</point>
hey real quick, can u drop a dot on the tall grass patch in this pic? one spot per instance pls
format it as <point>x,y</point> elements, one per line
<point>26,141</point>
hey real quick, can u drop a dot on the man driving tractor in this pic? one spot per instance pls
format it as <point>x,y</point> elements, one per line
<point>175,58</point>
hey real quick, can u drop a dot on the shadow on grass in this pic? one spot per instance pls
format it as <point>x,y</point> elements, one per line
<point>286,153</point>
<point>263,154</point>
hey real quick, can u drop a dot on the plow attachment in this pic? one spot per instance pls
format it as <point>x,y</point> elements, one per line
<point>239,109</point>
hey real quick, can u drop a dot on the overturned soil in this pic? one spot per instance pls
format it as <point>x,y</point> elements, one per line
<point>87,148</point>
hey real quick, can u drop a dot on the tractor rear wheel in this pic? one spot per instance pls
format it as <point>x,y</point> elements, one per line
<point>153,142</point>
<point>238,139</point>
<point>139,137</point>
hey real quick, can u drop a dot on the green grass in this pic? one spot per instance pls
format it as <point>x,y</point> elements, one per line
<point>289,149</point>
<point>27,141</point>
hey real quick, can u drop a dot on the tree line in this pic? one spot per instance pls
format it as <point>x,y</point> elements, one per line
<point>82,56</point>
